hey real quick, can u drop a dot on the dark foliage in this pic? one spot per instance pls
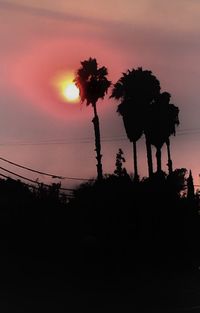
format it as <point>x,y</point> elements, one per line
<point>120,170</point>
<point>113,222</point>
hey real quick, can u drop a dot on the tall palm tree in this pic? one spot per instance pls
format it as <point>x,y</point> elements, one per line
<point>163,119</point>
<point>136,89</point>
<point>173,122</point>
<point>93,85</point>
<point>133,126</point>
<point>157,128</point>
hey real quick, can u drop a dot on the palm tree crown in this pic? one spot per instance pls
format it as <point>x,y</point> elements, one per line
<point>138,85</point>
<point>92,81</point>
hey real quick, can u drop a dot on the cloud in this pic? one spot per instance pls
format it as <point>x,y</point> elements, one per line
<point>40,11</point>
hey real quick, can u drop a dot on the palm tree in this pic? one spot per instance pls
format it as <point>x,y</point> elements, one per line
<point>157,129</point>
<point>133,126</point>
<point>93,85</point>
<point>163,119</point>
<point>173,121</point>
<point>137,89</point>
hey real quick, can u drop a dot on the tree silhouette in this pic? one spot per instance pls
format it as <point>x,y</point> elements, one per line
<point>120,171</point>
<point>137,89</point>
<point>162,121</point>
<point>177,181</point>
<point>93,85</point>
<point>173,121</point>
<point>190,187</point>
<point>157,127</point>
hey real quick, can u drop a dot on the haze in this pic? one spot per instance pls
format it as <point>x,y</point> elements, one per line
<point>41,39</point>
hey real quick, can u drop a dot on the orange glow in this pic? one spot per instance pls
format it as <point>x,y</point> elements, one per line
<point>67,90</point>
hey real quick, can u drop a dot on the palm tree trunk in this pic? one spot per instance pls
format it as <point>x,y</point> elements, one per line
<point>95,121</point>
<point>136,176</point>
<point>149,156</point>
<point>158,157</point>
<point>169,164</point>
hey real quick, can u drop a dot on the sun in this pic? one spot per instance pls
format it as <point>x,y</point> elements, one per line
<point>71,92</point>
<point>66,88</point>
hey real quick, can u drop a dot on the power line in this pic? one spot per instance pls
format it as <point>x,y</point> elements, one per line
<point>5,176</point>
<point>35,187</point>
<point>30,169</point>
<point>87,140</point>
<point>20,176</point>
<point>31,180</point>
<point>111,139</point>
<point>43,173</point>
<point>48,143</point>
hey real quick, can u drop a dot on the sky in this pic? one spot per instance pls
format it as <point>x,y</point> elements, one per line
<point>41,40</point>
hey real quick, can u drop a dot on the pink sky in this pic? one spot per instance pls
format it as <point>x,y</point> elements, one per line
<point>40,39</point>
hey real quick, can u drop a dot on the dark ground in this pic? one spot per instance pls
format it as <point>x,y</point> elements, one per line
<point>36,284</point>
<point>99,254</point>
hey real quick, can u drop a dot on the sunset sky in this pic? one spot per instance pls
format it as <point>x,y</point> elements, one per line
<point>43,40</point>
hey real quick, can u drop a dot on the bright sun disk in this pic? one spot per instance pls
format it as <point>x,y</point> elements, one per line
<point>71,92</point>
<point>64,83</point>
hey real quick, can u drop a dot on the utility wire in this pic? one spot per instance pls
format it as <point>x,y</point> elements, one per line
<point>43,173</point>
<point>31,180</point>
<point>87,140</point>
<point>30,169</point>
<point>20,176</point>
<point>189,131</point>
<point>5,176</point>
<point>34,187</point>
